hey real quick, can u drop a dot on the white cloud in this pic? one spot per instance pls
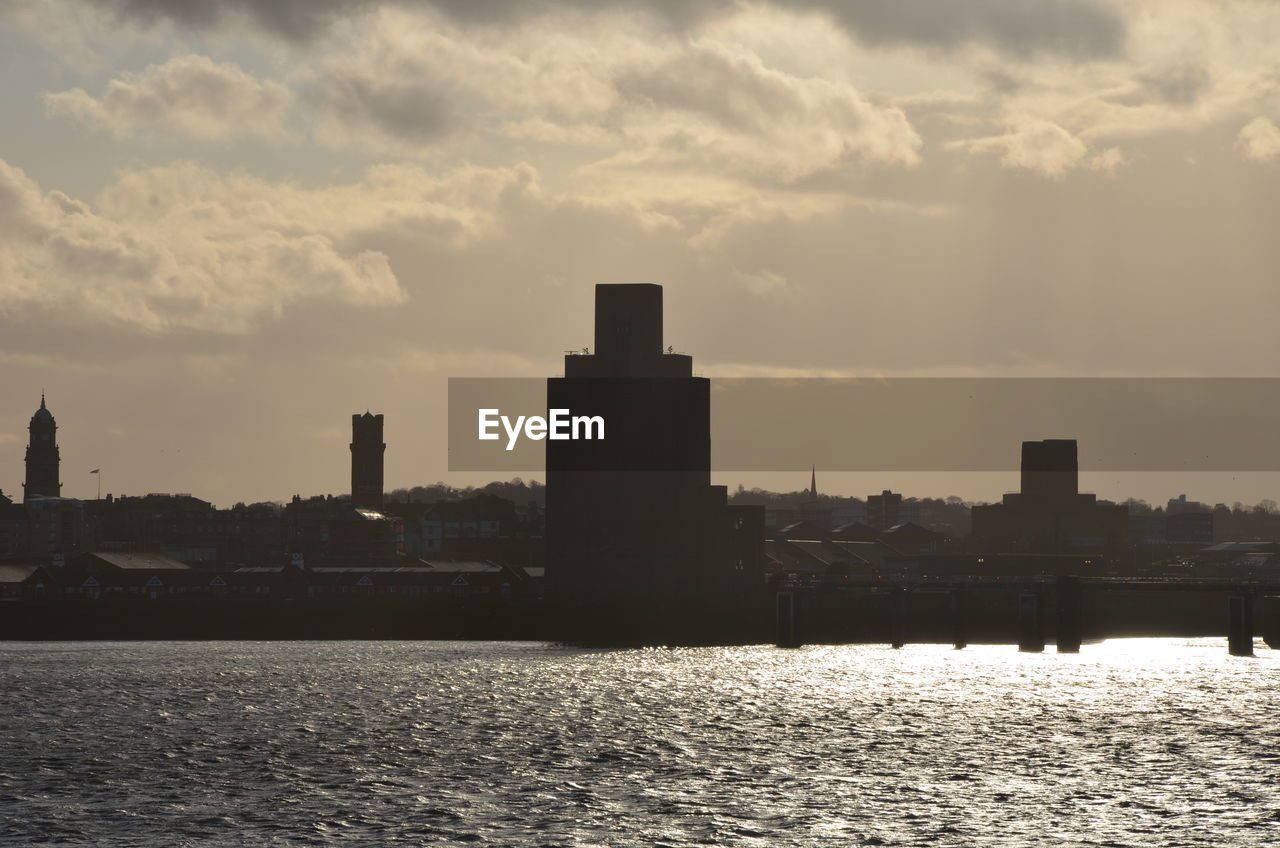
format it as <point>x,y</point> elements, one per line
<point>646,100</point>
<point>405,84</point>
<point>1071,27</point>
<point>1108,161</point>
<point>1035,145</point>
<point>183,247</point>
<point>762,281</point>
<point>1260,140</point>
<point>175,248</point>
<point>187,95</point>
<point>1182,71</point>
<point>718,108</point>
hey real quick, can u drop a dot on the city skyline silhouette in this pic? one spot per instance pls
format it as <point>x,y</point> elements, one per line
<point>666,422</point>
<point>226,231</point>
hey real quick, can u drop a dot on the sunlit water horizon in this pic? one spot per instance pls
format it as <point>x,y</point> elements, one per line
<point>1130,742</point>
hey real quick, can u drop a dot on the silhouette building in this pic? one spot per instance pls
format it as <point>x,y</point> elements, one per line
<point>884,510</point>
<point>633,518</point>
<point>814,511</point>
<point>1050,514</point>
<point>42,456</point>
<point>1050,471</point>
<point>362,533</point>
<point>367,449</point>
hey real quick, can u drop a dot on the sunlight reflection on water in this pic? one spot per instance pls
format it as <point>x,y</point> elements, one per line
<point>1131,742</point>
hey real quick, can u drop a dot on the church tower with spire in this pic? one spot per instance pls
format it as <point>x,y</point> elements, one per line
<point>42,456</point>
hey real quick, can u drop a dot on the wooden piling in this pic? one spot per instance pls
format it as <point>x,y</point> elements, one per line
<point>898,614</point>
<point>959,619</point>
<point>1240,625</point>
<point>1069,613</point>
<point>785,621</point>
<point>1030,623</point>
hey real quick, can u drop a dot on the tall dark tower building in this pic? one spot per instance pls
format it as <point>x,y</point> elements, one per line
<point>42,456</point>
<point>1050,515</point>
<point>367,449</point>
<point>632,519</point>
<point>1050,470</point>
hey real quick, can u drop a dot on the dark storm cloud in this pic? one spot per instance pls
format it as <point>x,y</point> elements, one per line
<point>299,20</point>
<point>1072,27</point>
<point>1181,85</point>
<point>408,109</point>
<point>292,19</point>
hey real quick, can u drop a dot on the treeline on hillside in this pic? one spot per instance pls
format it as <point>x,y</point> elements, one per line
<point>516,490</point>
<point>1237,522</point>
<point>948,515</point>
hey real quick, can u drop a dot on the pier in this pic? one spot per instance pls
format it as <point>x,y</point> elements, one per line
<point>1033,612</point>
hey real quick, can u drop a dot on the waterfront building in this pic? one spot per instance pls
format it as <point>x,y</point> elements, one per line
<point>42,456</point>
<point>633,518</point>
<point>367,453</point>
<point>889,509</point>
<point>1050,515</point>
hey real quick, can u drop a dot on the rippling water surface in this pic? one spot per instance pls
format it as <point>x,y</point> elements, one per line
<point>1133,742</point>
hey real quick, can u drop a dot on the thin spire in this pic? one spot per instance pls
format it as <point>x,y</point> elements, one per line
<point>813,482</point>
<point>42,398</point>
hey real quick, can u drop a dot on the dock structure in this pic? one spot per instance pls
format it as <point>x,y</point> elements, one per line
<point>785,621</point>
<point>959,623</point>
<point>1030,622</point>
<point>1240,625</point>
<point>898,617</point>
<point>1069,634</point>
<point>1029,611</point>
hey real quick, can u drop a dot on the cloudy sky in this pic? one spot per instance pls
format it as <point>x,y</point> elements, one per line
<point>224,227</point>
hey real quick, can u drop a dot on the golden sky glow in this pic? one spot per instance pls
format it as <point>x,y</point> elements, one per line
<point>225,227</point>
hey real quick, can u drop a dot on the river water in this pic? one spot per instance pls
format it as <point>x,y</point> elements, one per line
<point>1131,742</point>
